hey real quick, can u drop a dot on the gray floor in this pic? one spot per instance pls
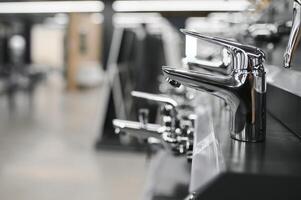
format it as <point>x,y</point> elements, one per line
<point>46,150</point>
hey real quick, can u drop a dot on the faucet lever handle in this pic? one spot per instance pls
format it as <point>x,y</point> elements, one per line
<point>155,97</point>
<point>232,46</point>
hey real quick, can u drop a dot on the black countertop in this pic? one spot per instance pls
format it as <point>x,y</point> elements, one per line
<point>280,154</point>
<point>223,168</point>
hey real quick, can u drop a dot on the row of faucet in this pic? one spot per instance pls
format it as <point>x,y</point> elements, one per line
<point>240,82</point>
<point>175,132</point>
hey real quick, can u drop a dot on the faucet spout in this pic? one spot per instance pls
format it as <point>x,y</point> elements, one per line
<point>196,79</point>
<point>294,35</point>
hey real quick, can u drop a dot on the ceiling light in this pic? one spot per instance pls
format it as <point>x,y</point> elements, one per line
<point>177,5</point>
<point>51,7</point>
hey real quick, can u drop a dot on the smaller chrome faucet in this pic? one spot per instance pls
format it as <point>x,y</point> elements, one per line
<point>241,83</point>
<point>294,35</point>
<point>175,134</point>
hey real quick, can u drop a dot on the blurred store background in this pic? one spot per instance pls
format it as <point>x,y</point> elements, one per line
<point>67,69</point>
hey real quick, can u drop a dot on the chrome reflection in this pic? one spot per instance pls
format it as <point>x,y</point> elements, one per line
<point>208,160</point>
<point>243,159</point>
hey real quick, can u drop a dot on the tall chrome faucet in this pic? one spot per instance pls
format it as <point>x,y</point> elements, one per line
<point>294,35</point>
<point>241,83</point>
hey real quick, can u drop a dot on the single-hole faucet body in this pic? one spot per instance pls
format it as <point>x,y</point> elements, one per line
<point>242,84</point>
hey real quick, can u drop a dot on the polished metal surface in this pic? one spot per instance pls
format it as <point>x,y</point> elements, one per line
<point>294,35</point>
<point>198,64</point>
<point>241,83</point>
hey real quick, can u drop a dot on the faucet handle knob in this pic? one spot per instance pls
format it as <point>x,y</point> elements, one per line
<point>155,97</point>
<point>143,116</point>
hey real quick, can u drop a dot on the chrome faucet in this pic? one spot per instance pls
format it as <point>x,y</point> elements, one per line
<point>242,84</point>
<point>294,35</point>
<point>175,134</point>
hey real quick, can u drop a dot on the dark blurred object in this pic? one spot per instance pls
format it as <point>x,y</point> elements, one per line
<point>269,32</point>
<point>16,71</point>
<point>139,65</point>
